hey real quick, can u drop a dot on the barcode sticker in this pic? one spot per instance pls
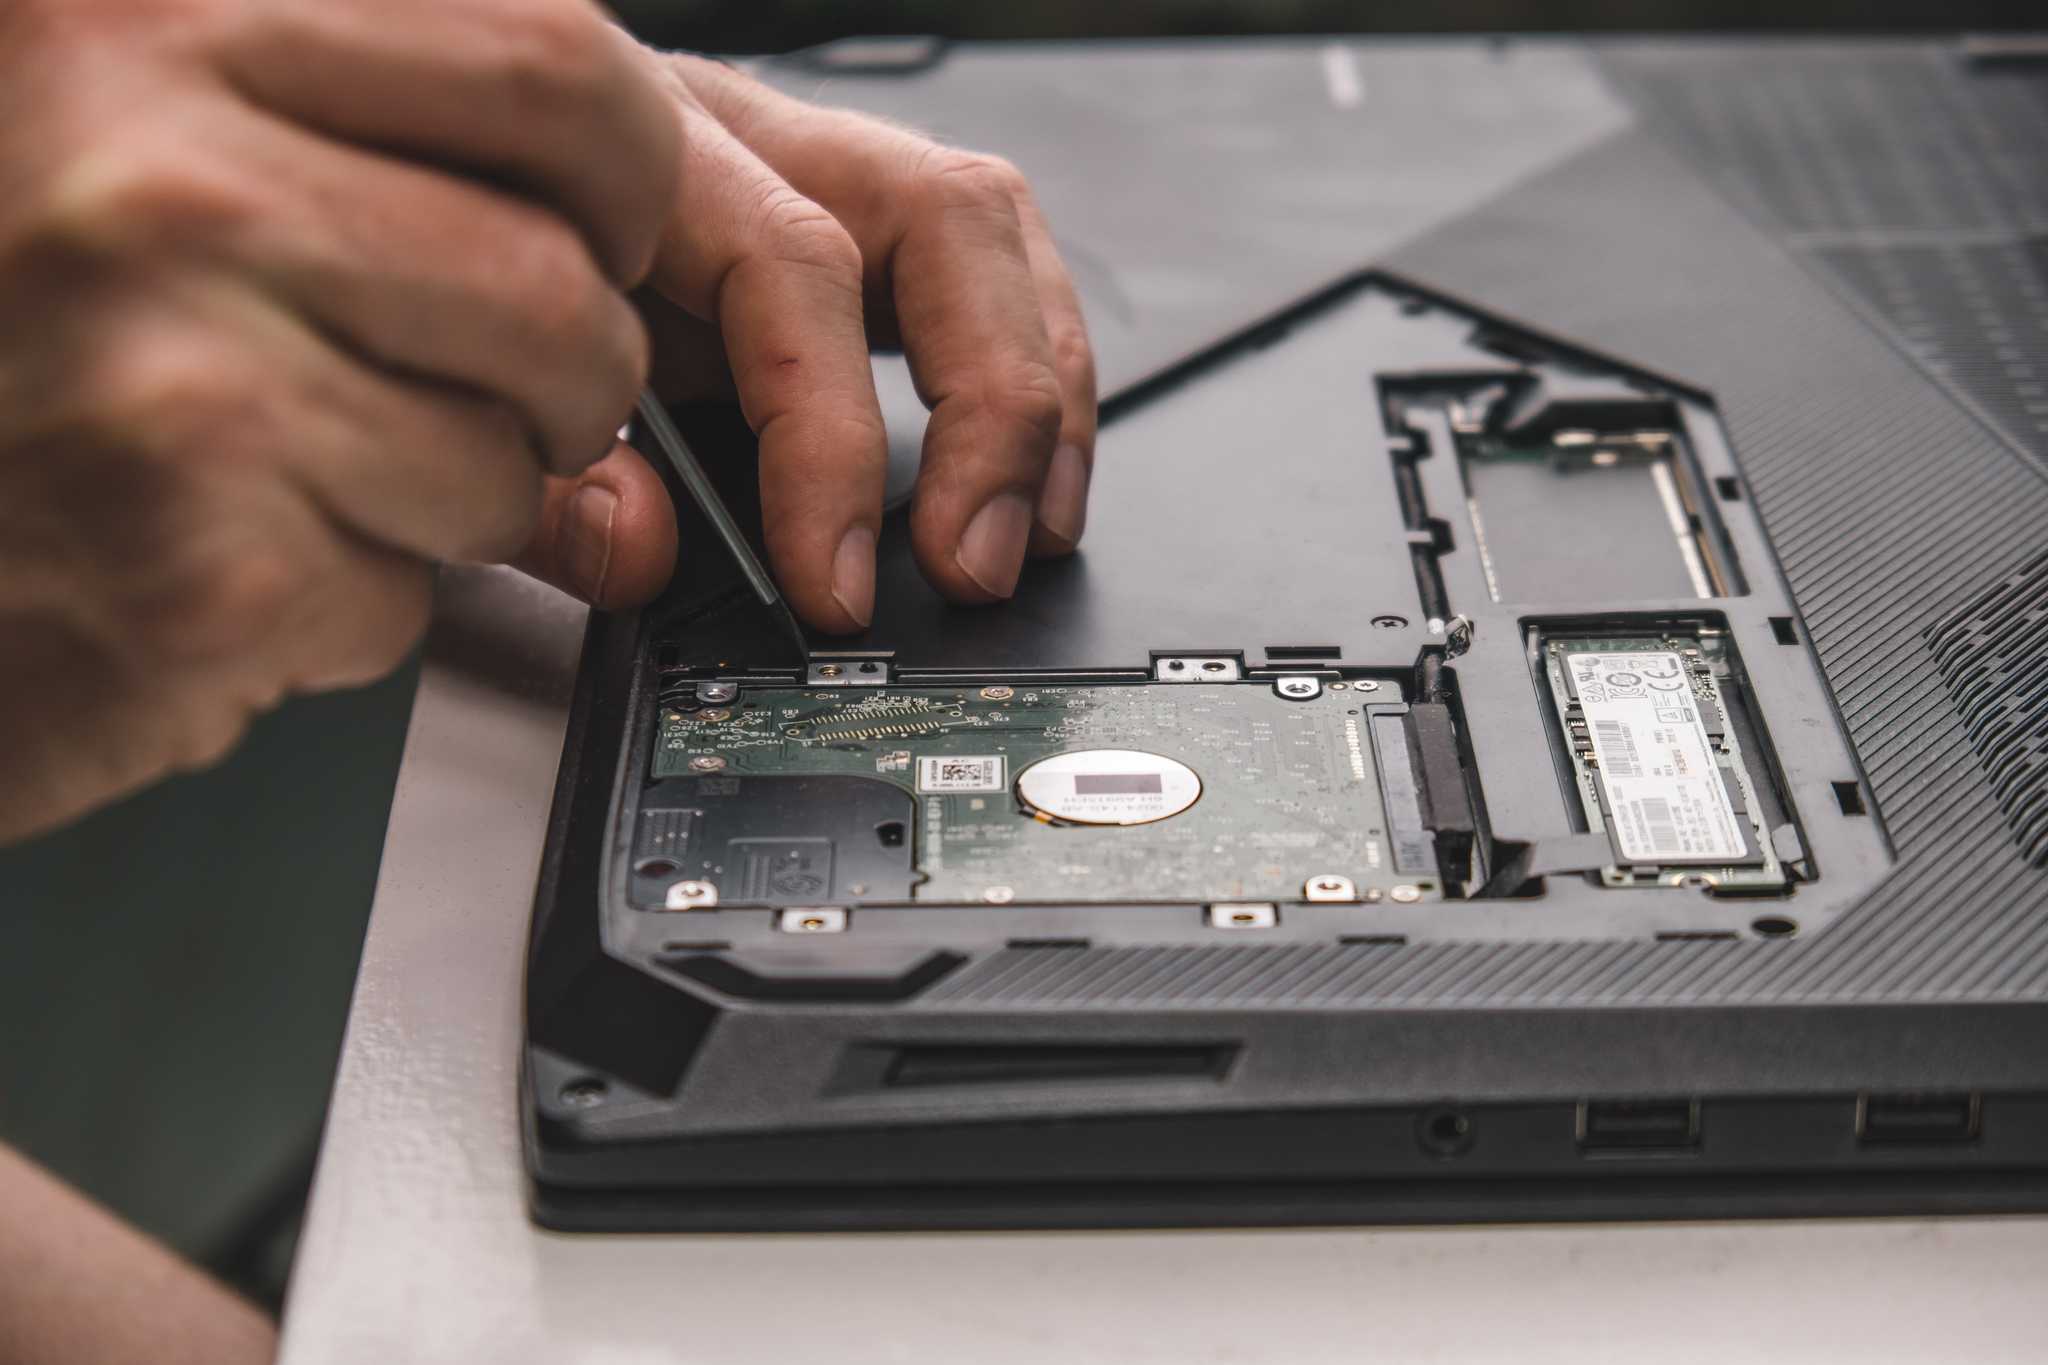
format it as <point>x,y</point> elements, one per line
<point>947,773</point>
<point>1666,801</point>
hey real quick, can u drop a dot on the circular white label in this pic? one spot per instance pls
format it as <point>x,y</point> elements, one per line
<point>1108,787</point>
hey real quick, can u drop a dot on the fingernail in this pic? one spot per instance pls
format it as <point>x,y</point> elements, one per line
<point>1063,502</point>
<point>853,574</point>
<point>583,544</point>
<point>992,548</point>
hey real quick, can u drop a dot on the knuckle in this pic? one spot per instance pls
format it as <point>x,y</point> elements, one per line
<point>977,177</point>
<point>217,601</point>
<point>127,196</point>
<point>151,391</point>
<point>1025,394</point>
<point>802,233</point>
<point>1072,352</point>
<point>548,49</point>
<point>208,731</point>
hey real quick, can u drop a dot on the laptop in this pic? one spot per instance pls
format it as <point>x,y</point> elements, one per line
<point>1550,719</point>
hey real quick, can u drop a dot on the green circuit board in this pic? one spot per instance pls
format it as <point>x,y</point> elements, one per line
<point>1288,789</point>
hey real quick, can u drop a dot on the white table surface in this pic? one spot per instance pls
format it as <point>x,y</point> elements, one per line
<point>418,1247</point>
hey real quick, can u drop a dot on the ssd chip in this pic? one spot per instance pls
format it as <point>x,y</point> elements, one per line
<point>1652,737</point>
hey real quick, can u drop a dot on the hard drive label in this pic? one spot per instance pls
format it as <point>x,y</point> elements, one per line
<point>954,773</point>
<point>1666,801</point>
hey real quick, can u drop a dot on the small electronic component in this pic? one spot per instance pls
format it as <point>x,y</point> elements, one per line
<point>1667,762</point>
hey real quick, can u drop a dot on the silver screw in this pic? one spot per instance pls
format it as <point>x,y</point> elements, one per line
<point>998,693</point>
<point>706,763</point>
<point>583,1094</point>
<point>829,670</point>
<point>1406,894</point>
<point>1366,685</point>
<point>999,895</point>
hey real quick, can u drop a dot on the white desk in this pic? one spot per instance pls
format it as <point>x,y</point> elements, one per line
<point>418,1248</point>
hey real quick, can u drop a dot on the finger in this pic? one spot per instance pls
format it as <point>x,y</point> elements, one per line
<point>782,280</point>
<point>432,276</point>
<point>607,536</point>
<point>365,616</point>
<point>540,94</point>
<point>1062,512</point>
<point>978,348</point>
<point>941,233</point>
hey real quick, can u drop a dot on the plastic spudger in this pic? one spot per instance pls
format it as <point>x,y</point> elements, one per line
<point>713,507</point>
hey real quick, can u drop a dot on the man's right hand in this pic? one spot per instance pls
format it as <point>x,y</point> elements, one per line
<point>299,298</point>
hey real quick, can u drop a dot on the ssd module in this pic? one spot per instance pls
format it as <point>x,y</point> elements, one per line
<point>1655,731</point>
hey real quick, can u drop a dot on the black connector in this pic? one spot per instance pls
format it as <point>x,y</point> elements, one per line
<point>1955,1116</point>
<point>1637,1125</point>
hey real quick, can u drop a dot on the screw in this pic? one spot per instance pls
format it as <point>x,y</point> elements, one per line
<point>706,763</point>
<point>583,1094</point>
<point>1366,685</point>
<point>714,715</point>
<point>829,670</point>
<point>998,693</point>
<point>1371,895</point>
<point>1390,622</point>
<point>1406,894</point>
<point>999,895</point>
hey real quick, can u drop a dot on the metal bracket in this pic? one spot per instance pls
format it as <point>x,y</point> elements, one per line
<point>1197,668</point>
<point>846,668</point>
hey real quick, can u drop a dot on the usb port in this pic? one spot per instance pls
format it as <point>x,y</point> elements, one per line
<point>1932,1117</point>
<point>1634,1125</point>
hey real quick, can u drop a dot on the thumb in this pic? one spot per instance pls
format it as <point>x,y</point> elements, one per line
<point>608,535</point>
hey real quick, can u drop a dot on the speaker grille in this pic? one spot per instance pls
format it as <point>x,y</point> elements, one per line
<point>1993,657</point>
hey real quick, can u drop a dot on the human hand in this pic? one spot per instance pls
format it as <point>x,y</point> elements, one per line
<point>799,236</point>
<point>300,299</point>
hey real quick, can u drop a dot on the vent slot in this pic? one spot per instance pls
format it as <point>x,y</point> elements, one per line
<point>1025,1064</point>
<point>1993,657</point>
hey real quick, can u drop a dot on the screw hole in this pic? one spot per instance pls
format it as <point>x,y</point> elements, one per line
<point>870,668</point>
<point>1445,1132</point>
<point>1775,926</point>
<point>1849,797</point>
<point>1175,665</point>
<point>654,867</point>
<point>1729,487</point>
<point>890,833</point>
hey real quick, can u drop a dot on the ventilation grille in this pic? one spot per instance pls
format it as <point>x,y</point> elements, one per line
<point>1993,655</point>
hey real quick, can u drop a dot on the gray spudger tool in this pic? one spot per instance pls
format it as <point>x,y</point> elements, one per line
<point>713,507</point>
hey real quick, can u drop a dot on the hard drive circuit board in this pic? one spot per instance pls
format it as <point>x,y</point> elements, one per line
<point>1082,793</point>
